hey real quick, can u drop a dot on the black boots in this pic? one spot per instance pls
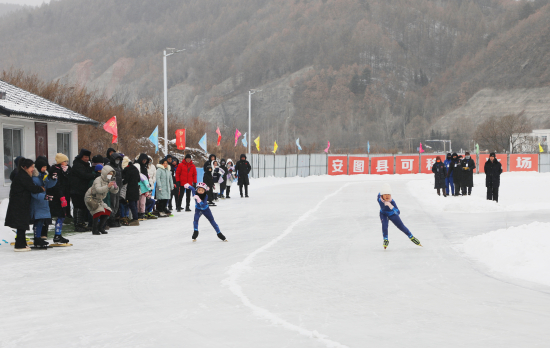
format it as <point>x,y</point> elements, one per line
<point>221,236</point>
<point>80,220</point>
<point>59,239</point>
<point>95,227</point>
<point>40,243</point>
<point>102,223</point>
<point>195,235</point>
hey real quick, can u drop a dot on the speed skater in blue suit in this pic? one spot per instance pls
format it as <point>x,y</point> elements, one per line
<point>202,208</point>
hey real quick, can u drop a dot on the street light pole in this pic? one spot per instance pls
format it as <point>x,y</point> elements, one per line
<point>172,51</point>
<point>250,92</point>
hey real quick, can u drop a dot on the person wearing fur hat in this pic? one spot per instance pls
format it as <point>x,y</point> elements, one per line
<point>95,195</point>
<point>185,174</point>
<point>40,208</point>
<point>229,176</point>
<point>390,212</point>
<point>439,175</point>
<point>59,205</point>
<point>202,208</point>
<point>493,169</point>
<point>241,172</point>
<point>81,174</point>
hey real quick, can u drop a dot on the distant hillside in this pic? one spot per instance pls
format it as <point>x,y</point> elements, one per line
<point>340,70</point>
<point>7,8</point>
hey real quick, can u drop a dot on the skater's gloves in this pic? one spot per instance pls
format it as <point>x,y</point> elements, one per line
<point>186,186</point>
<point>197,198</point>
<point>63,202</point>
<point>389,205</point>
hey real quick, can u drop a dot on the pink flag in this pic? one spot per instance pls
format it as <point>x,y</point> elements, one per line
<point>219,135</point>
<point>328,147</point>
<point>237,135</point>
<point>421,149</point>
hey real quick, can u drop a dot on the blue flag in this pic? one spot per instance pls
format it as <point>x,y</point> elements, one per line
<point>298,144</point>
<point>368,147</point>
<point>202,142</point>
<point>154,137</point>
<point>245,143</point>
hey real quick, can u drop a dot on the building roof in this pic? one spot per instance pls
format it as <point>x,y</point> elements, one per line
<point>20,103</point>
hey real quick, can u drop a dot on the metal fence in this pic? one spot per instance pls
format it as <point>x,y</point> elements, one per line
<point>282,166</point>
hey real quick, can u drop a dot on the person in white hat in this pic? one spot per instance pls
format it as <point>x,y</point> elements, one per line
<point>389,211</point>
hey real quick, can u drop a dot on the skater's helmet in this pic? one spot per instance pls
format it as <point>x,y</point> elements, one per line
<point>386,189</point>
<point>203,185</point>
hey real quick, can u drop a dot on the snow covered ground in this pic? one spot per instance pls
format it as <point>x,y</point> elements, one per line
<point>304,267</point>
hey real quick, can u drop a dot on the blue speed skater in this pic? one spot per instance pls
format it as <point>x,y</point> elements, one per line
<point>202,208</point>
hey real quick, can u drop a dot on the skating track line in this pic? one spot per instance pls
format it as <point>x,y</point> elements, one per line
<point>239,268</point>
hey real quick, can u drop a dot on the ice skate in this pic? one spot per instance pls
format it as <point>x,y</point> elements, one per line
<point>59,239</point>
<point>195,235</point>
<point>222,237</point>
<point>386,242</point>
<point>415,241</point>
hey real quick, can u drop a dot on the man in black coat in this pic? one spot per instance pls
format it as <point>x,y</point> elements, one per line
<point>131,177</point>
<point>208,179</point>
<point>493,169</point>
<point>242,168</point>
<point>468,165</point>
<point>439,175</point>
<point>81,174</point>
<point>116,163</point>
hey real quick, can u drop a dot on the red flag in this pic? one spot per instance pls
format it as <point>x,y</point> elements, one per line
<point>219,135</point>
<point>180,139</point>
<point>111,127</point>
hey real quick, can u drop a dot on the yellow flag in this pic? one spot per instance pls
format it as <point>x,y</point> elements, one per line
<point>257,142</point>
<point>540,148</point>
<point>275,147</point>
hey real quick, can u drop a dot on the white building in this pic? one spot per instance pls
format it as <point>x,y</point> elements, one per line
<point>33,126</point>
<point>529,142</point>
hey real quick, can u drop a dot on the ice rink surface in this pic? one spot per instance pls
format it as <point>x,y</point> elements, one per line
<point>304,267</point>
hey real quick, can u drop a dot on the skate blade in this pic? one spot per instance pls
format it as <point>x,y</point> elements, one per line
<point>225,240</point>
<point>28,243</point>
<point>194,240</point>
<point>61,245</point>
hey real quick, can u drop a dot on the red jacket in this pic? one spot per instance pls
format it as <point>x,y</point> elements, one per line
<point>186,173</point>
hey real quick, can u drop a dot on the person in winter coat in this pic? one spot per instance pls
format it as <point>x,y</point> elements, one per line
<point>223,184</point>
<point>201,208</point>
<point>15,167</point>
<point>19,207</point>
<point>106,183</point>
<point>439,175</point>
<point>468,165</point>
<point>151,172</point>
<point>115,161</point>
<point>457,176</point>
<point>449,165</point>
<point>217,176</point>
<point>175,192</point>
<point>185,174</point>
<point>164,186</point>
<point>229,176</point>
<point>209,181</point>
<point>145,193</point>
<point>242,169</point>
<point>390,212</point>
<point>59,203</point>
<point>81,174</point>
<point>493,169</point>
<point>40,207</point>
<point>131,178</point>
<point>107,159</point>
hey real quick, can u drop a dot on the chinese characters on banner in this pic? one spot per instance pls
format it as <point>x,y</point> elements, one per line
<point>406,165</point>
<point>358,165</point>
<point>427,163</point>
<point>180,139</point>
<point>503,159</point>
<point>381,165</point>
<point>337,165</point>
<point>524,163</point>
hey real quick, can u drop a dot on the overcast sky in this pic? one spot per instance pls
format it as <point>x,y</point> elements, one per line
<point>24,2</point>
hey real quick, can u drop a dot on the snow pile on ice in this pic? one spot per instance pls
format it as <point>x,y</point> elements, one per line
<point>6,234</point>
<point>522,251</point>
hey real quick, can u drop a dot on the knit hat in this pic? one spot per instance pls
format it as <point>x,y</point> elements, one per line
<point>84,152</point>
<point>187,156</point>
<point>97,159</point>
<point>386,189</point>
<point>60,158</point>
<point>492,154</point>
<point>98,167</point>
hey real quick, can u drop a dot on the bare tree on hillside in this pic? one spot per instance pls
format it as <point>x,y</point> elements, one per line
<point>499,133</point>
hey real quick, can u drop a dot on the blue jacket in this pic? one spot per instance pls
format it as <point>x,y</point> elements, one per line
<point>40,208</point>
<point>386,210</point>
<point>449,168</point>
<point>203,205</point>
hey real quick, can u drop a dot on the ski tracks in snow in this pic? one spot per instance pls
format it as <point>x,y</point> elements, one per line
<point>239,268</point>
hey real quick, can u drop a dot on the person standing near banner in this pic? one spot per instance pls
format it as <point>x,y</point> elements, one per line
<point>493,169</point>
<point>439,174</point>
<point>448,175</point>
<point>242,169</point>
<point>81,174</point>
<point>185,174</point>
<point>468,166</point>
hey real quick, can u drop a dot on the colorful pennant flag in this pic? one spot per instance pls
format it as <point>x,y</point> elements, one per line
<point>180,139</point>
<point>257,142</point>
<point>298,144</point>
<point>421,149</point>
<point>328,147</point>
<point>245,143</point>
<point>540,148</point>
<point>154,138</point>
<point>219,136</point>
<point>275,147</point>
<point>237,135</point>
<point>111,128</point>
<point>202,142</point>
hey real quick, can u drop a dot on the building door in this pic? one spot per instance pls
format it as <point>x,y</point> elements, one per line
<point>41,139</point>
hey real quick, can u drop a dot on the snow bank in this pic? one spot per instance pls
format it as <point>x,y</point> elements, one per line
<point>6,234</point>
<point>521,252</point>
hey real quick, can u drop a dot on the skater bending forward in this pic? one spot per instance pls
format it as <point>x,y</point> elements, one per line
<point>389,211</point>
<point>202,208</point>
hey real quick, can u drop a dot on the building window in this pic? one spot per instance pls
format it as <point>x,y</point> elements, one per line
<point>64,144</point>
<point>12,149</point>
<point>544,138</point>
